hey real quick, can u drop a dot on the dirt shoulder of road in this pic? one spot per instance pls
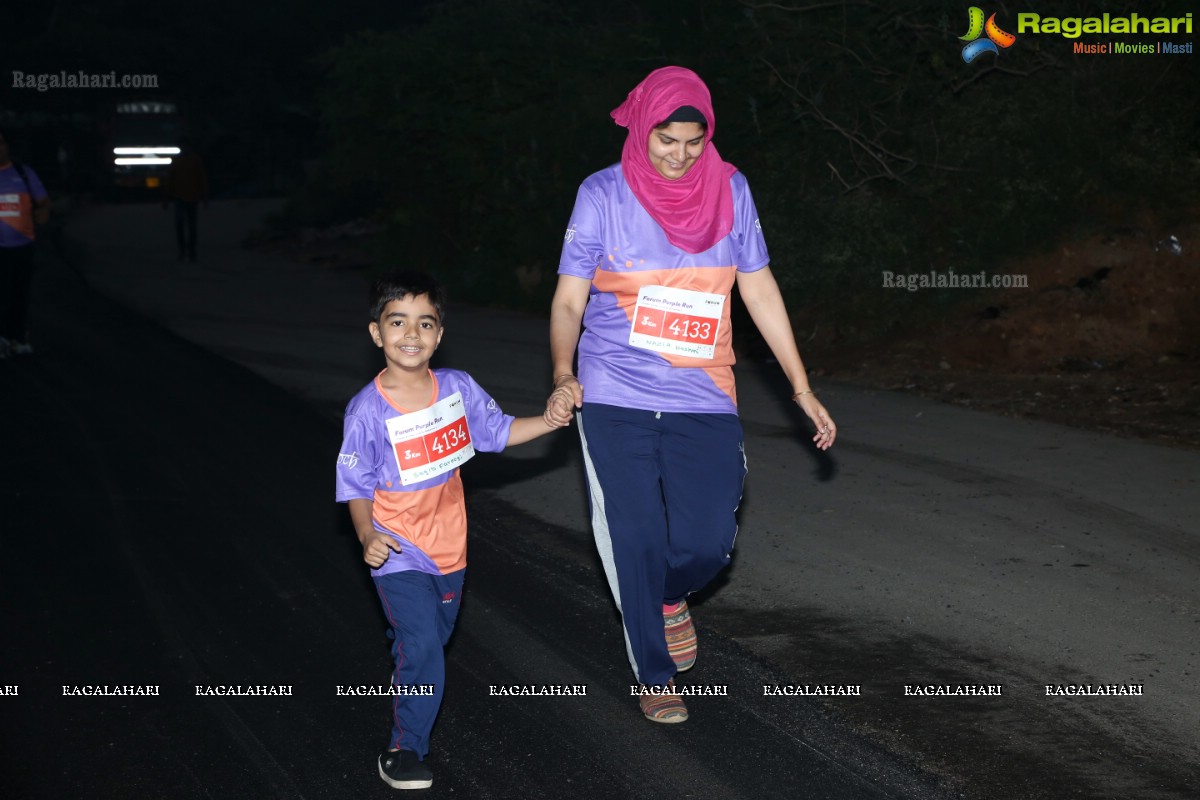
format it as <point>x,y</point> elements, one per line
<point>1157,401</point>
<point>1106,337</point>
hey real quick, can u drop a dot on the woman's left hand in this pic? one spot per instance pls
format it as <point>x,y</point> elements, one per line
<point>826,429</point>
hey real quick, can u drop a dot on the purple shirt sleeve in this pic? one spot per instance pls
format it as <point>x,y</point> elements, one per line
<point>489,425</point>
<point>583,248</point>
<point>747,231</point>
<point>358,462</point>
<point>36,190</point>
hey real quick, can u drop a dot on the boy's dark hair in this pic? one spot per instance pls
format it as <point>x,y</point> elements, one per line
<point>404,283</point>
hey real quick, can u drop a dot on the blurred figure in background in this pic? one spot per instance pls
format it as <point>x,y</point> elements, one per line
<point>23,205</point>
<point>186,185</point>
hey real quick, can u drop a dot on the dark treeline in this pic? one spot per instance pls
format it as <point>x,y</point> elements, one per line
<point>868,141</point>
<point>465,126</point>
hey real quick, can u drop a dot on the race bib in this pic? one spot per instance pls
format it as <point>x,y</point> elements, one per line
<point>677,321</point>
<point>10,205</point>
<point>431,441</point>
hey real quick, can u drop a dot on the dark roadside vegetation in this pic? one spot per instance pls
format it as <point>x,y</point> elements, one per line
<point>871,147</point>
<point>457,132</point>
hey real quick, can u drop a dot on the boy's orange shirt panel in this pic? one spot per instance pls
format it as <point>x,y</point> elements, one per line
<point>433,519</point>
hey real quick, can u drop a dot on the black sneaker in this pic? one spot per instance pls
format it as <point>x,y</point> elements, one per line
<point>400,769</point>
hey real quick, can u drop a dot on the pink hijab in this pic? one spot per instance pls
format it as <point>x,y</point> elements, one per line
<point>695,211</point>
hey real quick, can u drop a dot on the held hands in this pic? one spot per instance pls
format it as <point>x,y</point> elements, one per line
<point>566,397</point>
<point>377,547</point>
<point>826,429</point>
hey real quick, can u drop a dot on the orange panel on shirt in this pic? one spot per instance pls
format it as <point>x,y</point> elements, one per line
<point>433,519</point>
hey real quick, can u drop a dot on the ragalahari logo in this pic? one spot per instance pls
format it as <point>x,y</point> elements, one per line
<point>996,38</point>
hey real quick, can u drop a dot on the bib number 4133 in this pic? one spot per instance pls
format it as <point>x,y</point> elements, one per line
<point>677,321</point>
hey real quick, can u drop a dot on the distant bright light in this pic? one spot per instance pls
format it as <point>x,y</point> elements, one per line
<point>145,151</point>
<point>144,161</point>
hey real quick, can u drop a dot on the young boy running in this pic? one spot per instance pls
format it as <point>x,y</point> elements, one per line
<point>405,435</point>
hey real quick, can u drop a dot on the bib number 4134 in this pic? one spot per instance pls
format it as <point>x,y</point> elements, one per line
<point>431,441</point>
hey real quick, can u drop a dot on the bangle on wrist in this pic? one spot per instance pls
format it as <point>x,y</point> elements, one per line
<point>806,391</point>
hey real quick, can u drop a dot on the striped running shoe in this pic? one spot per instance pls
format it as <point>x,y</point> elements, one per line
<point>681,635</point>
<point>666,707</point>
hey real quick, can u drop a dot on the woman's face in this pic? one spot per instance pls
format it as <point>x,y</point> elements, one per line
<point>674,149</point>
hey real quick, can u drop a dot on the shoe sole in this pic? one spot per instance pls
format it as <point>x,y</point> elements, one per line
<point>395,784</point>
<point>672,720</point>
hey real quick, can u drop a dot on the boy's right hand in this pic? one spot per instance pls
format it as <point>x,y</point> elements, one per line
<point>562,402</point>
<point>560,407</point>
<point>377,547</point>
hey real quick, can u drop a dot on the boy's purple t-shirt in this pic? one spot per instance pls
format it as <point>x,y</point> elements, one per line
<point>614,243</point>
<point>431,513</point>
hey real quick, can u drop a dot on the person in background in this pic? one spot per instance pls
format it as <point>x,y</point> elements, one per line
<point>653,250</point>
<point>186,185</point>
<point>24,204</point>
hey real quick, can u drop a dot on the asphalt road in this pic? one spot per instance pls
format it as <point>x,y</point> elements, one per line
<point>167,522</point>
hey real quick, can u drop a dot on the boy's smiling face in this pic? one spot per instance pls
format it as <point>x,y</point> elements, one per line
<point>409,331</point>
